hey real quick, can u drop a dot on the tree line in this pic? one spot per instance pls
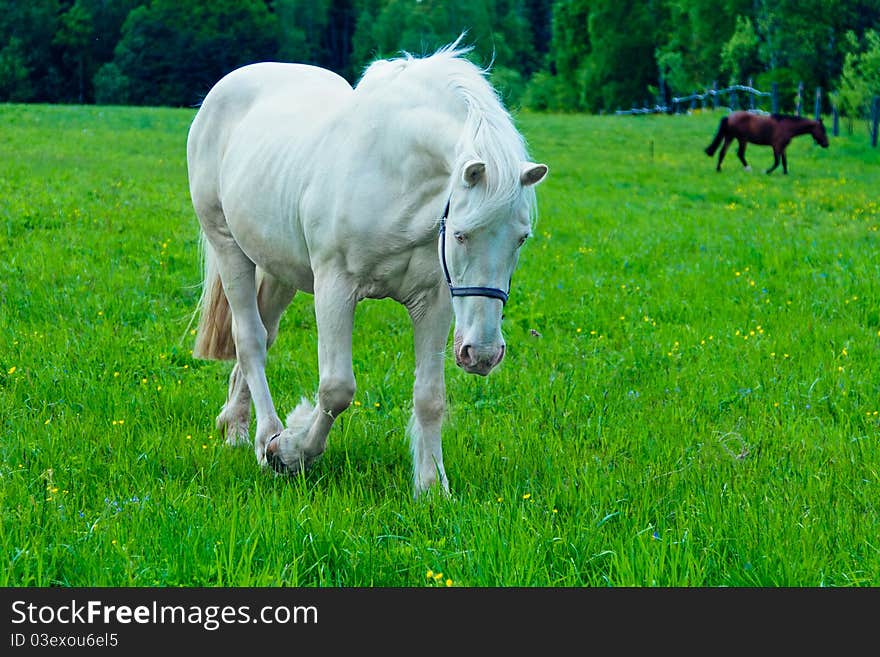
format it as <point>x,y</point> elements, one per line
<point>563,55</point>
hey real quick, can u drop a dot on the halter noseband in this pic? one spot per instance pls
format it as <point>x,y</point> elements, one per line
<point>491,292</point>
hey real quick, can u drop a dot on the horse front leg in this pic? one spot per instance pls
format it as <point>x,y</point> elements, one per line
<point>305,438</point>
<point>741,154</point>
<point>779,154</point>
<point>432,319</point>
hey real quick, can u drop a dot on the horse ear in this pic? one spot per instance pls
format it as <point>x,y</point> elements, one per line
<point>532,173</point>
<point>472,172</point>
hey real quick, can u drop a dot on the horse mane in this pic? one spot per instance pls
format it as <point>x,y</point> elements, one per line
<point>488,132</point>
<point>790,117</point>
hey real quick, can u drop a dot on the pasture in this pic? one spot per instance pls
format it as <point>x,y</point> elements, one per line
<point>691,393</point>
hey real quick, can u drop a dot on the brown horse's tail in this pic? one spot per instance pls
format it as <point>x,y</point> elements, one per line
<point>719,137</point>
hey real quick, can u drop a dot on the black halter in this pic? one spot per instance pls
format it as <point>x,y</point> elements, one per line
<point>492,292</point>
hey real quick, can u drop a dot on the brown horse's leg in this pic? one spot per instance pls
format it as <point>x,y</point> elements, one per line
<point>775,160</point>
<point>723,150</point>
<point>784,162</point>
<point>741,153</point>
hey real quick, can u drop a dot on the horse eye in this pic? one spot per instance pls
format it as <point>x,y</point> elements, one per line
<point>459,237</point>
<point>522,240</point>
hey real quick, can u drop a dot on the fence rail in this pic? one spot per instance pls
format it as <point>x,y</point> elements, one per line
<point>680,104</point>
<point>684,103</point>
<point>715,96</point>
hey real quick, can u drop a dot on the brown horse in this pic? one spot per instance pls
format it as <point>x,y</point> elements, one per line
<point>775,130</point>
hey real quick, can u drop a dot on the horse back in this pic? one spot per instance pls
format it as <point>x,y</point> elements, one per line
<point>253,98</point>
<point>754,128</point>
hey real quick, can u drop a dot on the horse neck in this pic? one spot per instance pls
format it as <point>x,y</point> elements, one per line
<point>804,126</point>
<point>438,128</point>
<point>420,154</point>
<point>463,117</point>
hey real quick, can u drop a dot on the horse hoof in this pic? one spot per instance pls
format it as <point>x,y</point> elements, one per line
<point>273,459</point>
<point>284,457</point>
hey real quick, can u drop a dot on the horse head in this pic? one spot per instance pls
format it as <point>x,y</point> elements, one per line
<point>819,134</point>
<point>480,239</point>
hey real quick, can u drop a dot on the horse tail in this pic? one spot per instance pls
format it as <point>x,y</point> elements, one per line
<point>214,332</point>
<point>719,137</point>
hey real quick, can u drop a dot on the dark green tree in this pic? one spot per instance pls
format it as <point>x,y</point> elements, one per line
<point>620,67</point>
<point>498,30</point>
<point>582,55</point>
<point>75,32</point>
<point>301,27</point>
<point>860,81</point>
<point>27,70</point>
<point>539,15</point>
<point>562,85</point>
<point>689,49</point>
<point>740,58</point>
<point>805,41</point>
<point>171,52</point>
<point>15,76</point>
<point>316,32</point>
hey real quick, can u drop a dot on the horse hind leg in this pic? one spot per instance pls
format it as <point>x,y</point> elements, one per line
<point>237,280</point>
<point>234,419</point>
<point>723,152</point>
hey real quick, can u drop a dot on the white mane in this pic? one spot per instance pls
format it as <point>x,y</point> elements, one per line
<point>487,129</point>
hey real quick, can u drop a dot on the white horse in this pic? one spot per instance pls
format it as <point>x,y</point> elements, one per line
<point>412,180</point>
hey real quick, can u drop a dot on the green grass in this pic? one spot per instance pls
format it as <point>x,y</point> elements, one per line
<point>690,396</point>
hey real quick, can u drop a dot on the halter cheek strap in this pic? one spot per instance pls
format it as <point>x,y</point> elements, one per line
<point>491,292</point>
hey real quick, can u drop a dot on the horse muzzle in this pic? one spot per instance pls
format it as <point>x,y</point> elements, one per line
<point>478,361</point>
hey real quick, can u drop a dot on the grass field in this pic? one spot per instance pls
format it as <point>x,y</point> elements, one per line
<point>691,395</point>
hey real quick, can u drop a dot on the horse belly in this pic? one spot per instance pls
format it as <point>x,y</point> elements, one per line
<point>765,136</point>
<point>275,248</point>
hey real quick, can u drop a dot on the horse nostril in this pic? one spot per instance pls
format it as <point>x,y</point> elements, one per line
<point>467,354</point>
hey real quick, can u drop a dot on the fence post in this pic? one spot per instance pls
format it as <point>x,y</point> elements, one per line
<point>774,100</point>
<point>714,95</point>
<point>818,103</point>
<point>751,96</point>
<point>835,125</point>
<point>875,119</point>
<point>800,99</point>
